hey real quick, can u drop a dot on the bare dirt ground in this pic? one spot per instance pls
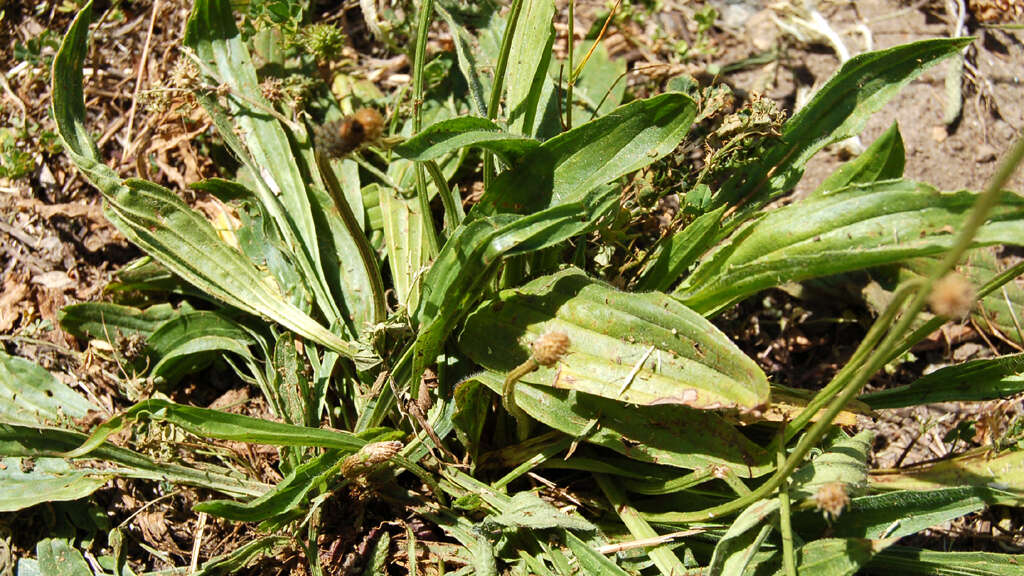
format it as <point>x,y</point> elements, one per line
<point>56,248</point>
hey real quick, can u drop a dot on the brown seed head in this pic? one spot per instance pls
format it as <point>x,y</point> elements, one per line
<point>368,457</point>
<point>549,348</point>
<point>952,296</point>
<point>350,133</point>
<point>832,499</point>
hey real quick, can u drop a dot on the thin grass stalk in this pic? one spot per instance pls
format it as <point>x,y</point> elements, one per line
<point>419,61</point>
<point>499,81</point>
<point>571,41</point>
<point>785,525</point>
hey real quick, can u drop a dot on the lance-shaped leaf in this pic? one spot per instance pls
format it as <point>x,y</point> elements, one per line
<point>838,111</point>
<point>156,220</point>
<point>907,560</point>
<point>851,229</point>
<point>883,160</point>
<point>26,482</point>
<point>108,322</point>
<point>975,468</point>
<point>467,131</point>
<point>635,348</point>
<point>981,379</point>
<point>31,395</point>
<point>568,166</point>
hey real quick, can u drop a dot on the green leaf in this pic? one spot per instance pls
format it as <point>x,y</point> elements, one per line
<point>835,556</point>
<point>883,160</point>
<point>844,461</point>
<point>243,556</point>
<point>975,468</point>
<point>565,168</point>
<point>859,227</point>
<point>190,342</point>
<point>657,434</point>
<point>981,379</point>
<point>466,53</point>
<point>590,560</point>
<point>57,557</point>
<point>527,510</point>
<point>528,64</point>
<point>682,249</point>
<point>466,131</point>
<point>108,322</point>
<point>31,395</point>
<point>408,244</point>
<point>905,560</point>
<point>902,513</point>
<point>743,539</point>
<point>837,111</point>
<point>640,349</point>
<point>26,482</point>
<point>33,442</point>
<point>999,309</point>
<point>208,423</point>
<point>285,497</point>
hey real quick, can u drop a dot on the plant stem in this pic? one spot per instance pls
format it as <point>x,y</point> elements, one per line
<point>785,526</point>
<point>453,214</point>
<point>571,41</point>
<point>508,397</point>
<point>419,61</point>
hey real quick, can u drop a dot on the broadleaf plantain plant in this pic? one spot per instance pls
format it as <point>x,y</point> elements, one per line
<point>683,455</point>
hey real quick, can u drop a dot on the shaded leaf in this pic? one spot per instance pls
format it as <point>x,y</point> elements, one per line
<point>981,379</point>
<point>57,557</point>
<point>882,160</point>
<point>26,482</point>
<point>29,394</point>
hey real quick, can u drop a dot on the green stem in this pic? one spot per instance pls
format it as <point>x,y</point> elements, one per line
<point>874,335</point>
<point>499,81</point>
<point>419,61</point>
<point>785,526</point>
<point>572,81</point>
<point>508,397</point>
<point>453,214</point>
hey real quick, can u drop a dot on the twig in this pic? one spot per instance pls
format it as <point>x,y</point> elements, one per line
<point>647,542</point>
<point>138,81</point>
<point>198,542</point>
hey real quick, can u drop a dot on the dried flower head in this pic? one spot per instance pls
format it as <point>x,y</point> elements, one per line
<point>368,457</point>
<point>272,89</point>
<point>550,347</point>
<point>832,498</point>
<point>997,10</point>
<point>184,73</point>
<point>339,138</point>
<point>952,296</point>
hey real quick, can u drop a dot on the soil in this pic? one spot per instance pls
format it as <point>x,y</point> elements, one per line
<point>56,248</point>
